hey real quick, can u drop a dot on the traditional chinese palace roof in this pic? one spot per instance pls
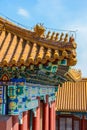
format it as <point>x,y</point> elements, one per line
<point>73,75</point>
<point>72,97</point>
<point>22,47</point>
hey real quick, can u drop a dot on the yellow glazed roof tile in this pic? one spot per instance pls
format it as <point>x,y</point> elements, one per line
<point>20,46</point>
<point>74,74</point>
<point>11,49</point>
<point>25,52</point>
<point>72,97</point>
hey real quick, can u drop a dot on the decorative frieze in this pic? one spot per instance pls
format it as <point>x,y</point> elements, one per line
<point>18,96</point>
<point>2,109</point>
<point>51,98</point>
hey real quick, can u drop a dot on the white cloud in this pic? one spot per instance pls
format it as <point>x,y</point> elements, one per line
<point>23,12</point>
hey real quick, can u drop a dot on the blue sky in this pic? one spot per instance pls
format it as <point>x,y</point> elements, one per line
<point>55,14</point>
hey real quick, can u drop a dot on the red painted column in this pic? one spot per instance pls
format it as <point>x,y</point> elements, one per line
<point>15,122</point>
<point>36,119</point>
<point>46,115</point>
<point>28,120</point>
<point>51,118</point>
<point>25,120</point>
<point>5,122</point>
<point>20,126</point>
<point>41,115</point>
<point>83,123</point>
<point>54,116</point>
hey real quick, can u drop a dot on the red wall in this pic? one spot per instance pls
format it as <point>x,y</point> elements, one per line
<point>5,122</point>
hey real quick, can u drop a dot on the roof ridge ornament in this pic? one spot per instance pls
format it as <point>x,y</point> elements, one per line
<point>39,29</point>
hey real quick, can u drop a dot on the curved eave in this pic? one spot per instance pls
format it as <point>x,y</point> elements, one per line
<point>31,36</point>
<point>19,46</point>
<point>66,111</point>
<point>73,75</point>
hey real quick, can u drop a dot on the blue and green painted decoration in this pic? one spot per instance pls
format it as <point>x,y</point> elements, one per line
<point>20,87</point>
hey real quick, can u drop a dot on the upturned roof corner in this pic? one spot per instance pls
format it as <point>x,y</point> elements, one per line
<point>21,46</point>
